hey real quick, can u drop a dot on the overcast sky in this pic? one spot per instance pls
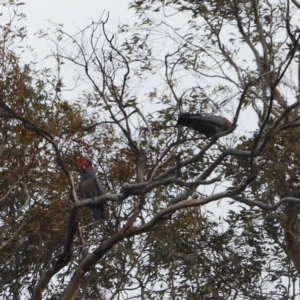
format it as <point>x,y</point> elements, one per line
<point>74,15</point>
<point>74,12</point>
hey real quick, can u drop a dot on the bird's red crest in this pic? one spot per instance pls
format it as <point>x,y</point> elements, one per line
<point>84,162</point>
<point>228,123</point>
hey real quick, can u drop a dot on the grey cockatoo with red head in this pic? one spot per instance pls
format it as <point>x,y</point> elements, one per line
<point>90,187</point>
<point>207,125</point>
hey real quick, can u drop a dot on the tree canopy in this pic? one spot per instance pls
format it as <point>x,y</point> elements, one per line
<point>162,238</point>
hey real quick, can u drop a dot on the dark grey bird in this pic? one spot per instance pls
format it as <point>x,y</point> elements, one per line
<point>207,125</point>
<point>90,187</point>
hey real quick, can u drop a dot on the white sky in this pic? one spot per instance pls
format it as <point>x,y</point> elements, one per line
<point>74,15</point>
<point>74,12</point>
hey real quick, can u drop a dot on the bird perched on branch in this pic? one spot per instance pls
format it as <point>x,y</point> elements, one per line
<point>90,187</point>
<point>207,125</point>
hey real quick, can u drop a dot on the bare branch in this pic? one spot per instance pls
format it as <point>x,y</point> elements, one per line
<point>263,205</point>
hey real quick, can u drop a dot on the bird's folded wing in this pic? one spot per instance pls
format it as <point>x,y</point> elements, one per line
<point>99,186</point>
